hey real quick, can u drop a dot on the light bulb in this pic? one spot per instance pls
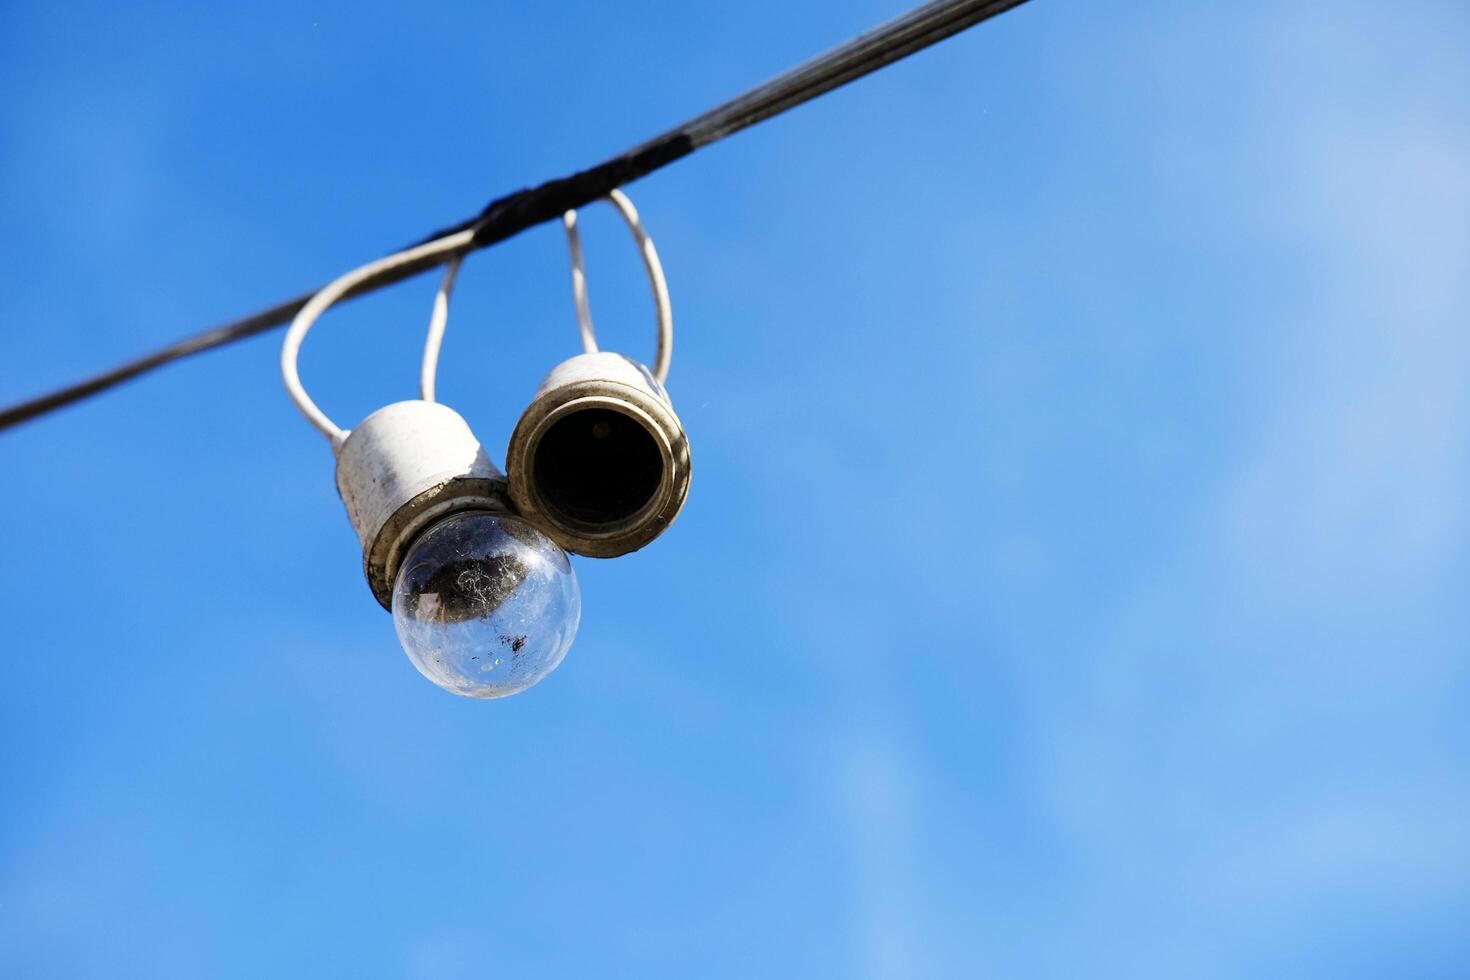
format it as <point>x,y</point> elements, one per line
<point>485,605</point>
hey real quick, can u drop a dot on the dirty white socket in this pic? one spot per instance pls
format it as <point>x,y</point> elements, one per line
<point>401,469</point>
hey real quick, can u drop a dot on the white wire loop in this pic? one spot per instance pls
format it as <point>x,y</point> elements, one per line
<point>656,283</point>
<point>450,247</point>
<point>435,339</point>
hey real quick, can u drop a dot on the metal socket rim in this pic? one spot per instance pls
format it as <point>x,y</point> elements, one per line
<point>618,537</point>
<point>393,541</point>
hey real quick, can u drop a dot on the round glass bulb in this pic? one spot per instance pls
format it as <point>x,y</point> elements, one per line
<point>485,605</point>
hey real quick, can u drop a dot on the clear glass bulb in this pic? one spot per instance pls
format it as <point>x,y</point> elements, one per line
<point>485,605</point>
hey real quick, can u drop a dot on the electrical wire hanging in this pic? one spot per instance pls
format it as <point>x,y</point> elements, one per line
<point>506,216</point>
<point>437,321</point>
<point>438,250</point>
<point>656,282</point>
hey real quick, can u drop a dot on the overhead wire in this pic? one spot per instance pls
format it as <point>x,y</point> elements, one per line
<point>515,212</point>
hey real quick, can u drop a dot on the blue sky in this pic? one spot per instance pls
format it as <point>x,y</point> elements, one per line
<point>1072,581</point>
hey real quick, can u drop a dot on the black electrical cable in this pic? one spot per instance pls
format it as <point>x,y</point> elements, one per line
<point>514,213</point>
